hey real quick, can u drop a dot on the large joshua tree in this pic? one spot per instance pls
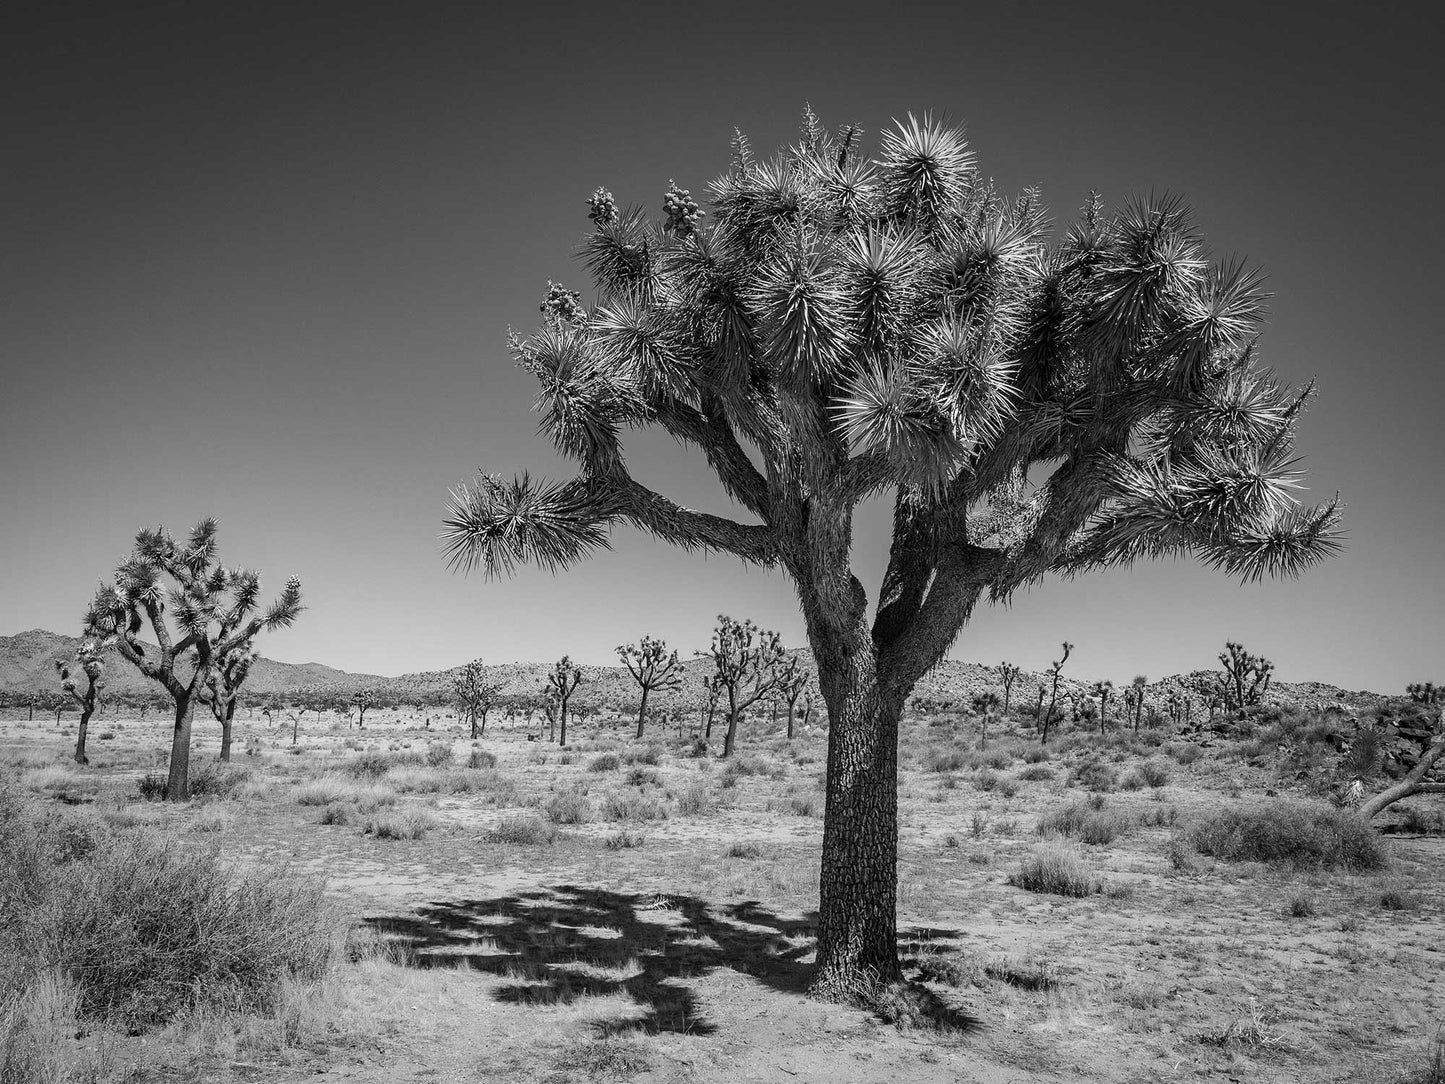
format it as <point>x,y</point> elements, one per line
<point>841,327</point>
<point>652,666</point>
<point>162,583</point>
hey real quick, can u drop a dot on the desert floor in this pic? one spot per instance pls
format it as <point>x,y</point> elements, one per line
<point>666,937</point>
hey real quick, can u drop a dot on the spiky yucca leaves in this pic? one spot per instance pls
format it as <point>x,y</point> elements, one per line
<point>1037,402</point>
<point>201,615</point>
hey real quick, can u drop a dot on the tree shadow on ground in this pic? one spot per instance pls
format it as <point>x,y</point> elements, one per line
<point>557,944</point>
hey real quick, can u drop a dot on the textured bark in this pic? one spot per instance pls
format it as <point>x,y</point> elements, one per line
<point>1413,783</point>
<point>226,725</point>
<point>85,713</point>
<point>642,711</point>
<point>857,918</point>
<point>178,778</point>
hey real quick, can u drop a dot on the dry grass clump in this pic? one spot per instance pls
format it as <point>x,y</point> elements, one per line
<point>439,755</point>
<point>739,766</point>
<point>944,760</point>
<point>36,1026</point>
<point>694,800</point>
<point>147,927</point>
<point>1297,833</point>
<point>1088,822</point>
<point>60,779</point>
<point>633,806</point>
<point>331,789</point>
<point>1151,773</point>
<point>408,823</point>
<point>605,762</point>
<point>1057,869</point>
<point>480,758</point>
<point>624,840</point>
<point>569,807</point>
<point>1094,775</point>
<point>1036,773</point>
<point>217,780</point>
<point>524,830</point>
<point>606,1057</point>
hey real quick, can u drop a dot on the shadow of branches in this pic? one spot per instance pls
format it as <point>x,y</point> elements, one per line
<point>557,944</point>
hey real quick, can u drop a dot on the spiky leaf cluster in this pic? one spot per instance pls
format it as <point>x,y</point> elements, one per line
<point>1038,401</point>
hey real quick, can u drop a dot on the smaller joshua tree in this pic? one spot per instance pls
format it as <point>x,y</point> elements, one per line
<point>652,666</point>
<point>1137,703</point>
<point>1425,692</point>
<point>749,665</point>
<point>223,687</point>
<point>362,700</point>
<point>562,682</point>
<point>475,695</point>
<point>1054,669</point>
<point>984,705</point>
<point>1246,676</point>
<point>89,663</point>
<point>1104,690</point>
<point>793,685</point>
<point>211,606</point>
<point>1007,674</point>
<point>708,696</point>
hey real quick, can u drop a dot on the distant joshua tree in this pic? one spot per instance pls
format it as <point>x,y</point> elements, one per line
<point>1247,676</point>
<point>652,666</point>
<point>475,695</point>
<point>223,687</point>
<point>362,700</point>
<point>792,685</point>
<point>984,705</point>
<point>562,682</point>
<point>209,605</point>
<point>749,665</point>
<point>1007,674</point>
<point>708,698</point>
<point>1054,669</point>
<point>1425,693</point>
<point>90,664</point>
<point>1138,684</point>
<point>1104,690</point>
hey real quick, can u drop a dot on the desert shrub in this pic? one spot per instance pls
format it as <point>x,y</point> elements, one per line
<point>1151,773</point>
<point>569,807</point>
<point>694,800</point>
<point>148,927</point>
<point>1036,773</point>
<point>1183,752</point>
<point>953,970</point>
<point>480,758</point>
<point>1008,788</point>
<point>526,829</point>
<point>621,841</point>
<point>997,759</point>
<point>1056,869</point>
<point>1094,775</point>
<point>1161,816</point>
<point>1425,821</point>
<point>606,762</point>
<point>803,805</point>
<point>986,780</point>
<point>337,814</point>
<point>371,765</point>
<point>217,780</point>
<point>1086,823</point>
<point>409,823</point>
<point>744,850</point>
<point>1395,899</point>
<point>642,777</point>
<point>325,791</point>
<point>152,786</point>
<point>1302,834</point>
<point>1301,905</point>
<point>1035,754</point>
<point>632,806</point>
<point>945,760</point>
<point>650,755</point>
<point>439,755</point>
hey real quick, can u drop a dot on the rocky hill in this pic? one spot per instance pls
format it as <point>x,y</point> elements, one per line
<point>26,665</point>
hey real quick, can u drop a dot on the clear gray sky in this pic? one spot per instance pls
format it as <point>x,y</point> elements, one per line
<point>258,261</point>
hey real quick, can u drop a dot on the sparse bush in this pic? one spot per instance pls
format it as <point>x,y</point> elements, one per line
<point>607,762</point>
<point>1036,773</point>
<point>1094,775</point>
<point>744,850</point>
<point>1086,823</point>
<point>1035,754</point>
<point>650,755</point>
<point>1301,905</point>
<point>945,760</point>
<point>399,824</point>
<point>1055,869</point>
<point>569,807</point>
<point>1148,774</point>
<point>632,806</point>
<point>642,777</point>
<point>1395,899</point>
<point>621,841</point>
<point>439,755</point>
<point>694,800</point>
<point>371,765</point>
<point>954,970</point>
<point>526,829</point>
<point>1302,834</point>
<point>1184,752</point>
<point>217,780</point>
<point>480,758</point>
<point>152,786</point>
<point>337,814</point>
<point>803,805</point>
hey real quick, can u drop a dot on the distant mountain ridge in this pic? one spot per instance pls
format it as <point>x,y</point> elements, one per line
<point>27,665</point>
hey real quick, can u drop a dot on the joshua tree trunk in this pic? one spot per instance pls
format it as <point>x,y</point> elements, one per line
<point>859,877</point>
<point>178,777</point>
<point>732,733</point>
<point>226,732</point>
<point>642,711</point>
<point>85,713</point>
<point>790,720</point>
<point>707,731</point>
<point>1413,783</point>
